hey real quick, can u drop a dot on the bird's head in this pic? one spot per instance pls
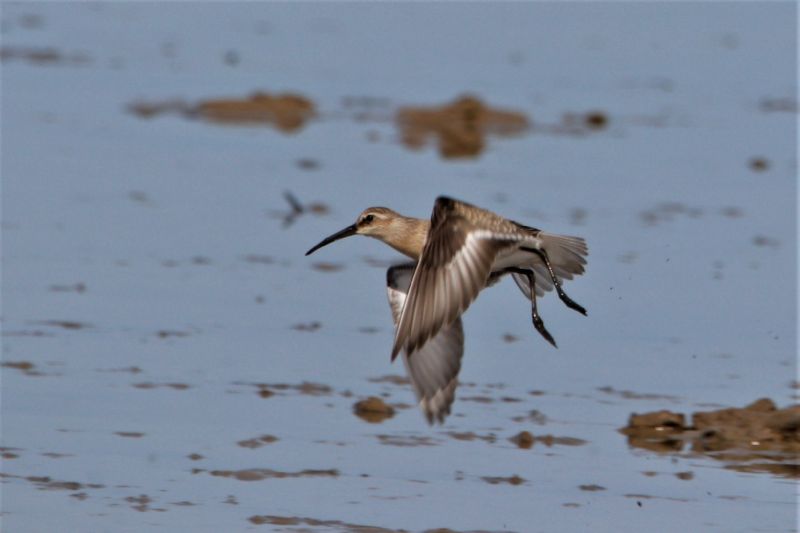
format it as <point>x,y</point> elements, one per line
<point>375,222</point>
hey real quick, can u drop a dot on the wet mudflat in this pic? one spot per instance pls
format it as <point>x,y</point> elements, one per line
<point>172,361</point>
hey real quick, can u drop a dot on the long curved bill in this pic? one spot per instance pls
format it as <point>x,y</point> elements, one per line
<point>346,232</point>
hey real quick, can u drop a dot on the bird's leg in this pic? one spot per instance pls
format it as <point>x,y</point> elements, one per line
<point>569,302</point>
<point>537,320</point>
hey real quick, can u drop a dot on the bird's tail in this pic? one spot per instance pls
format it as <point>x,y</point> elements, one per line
<point>567,254</point>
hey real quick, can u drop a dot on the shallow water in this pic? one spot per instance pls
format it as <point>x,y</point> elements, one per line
<point>172,360</point>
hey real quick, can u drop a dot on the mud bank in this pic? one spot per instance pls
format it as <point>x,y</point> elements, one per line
<point>287,112</point>
<point>756,438</point>
<point>460,128</point>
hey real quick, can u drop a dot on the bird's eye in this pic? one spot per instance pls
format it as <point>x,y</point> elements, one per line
<point>367,219</point>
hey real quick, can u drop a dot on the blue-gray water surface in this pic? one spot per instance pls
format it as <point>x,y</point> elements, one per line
<point>172,361</point>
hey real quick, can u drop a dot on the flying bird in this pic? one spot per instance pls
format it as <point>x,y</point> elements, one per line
<point>457,253</point>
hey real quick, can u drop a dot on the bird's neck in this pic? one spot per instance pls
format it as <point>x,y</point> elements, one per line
<point>407,235</point>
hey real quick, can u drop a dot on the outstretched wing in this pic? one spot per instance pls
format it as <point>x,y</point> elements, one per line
<point>453,268</point>
<point>433,370</point>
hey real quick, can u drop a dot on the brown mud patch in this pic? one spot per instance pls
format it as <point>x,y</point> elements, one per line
<point>684,476</point>
<point>535,416</point>
<point>260,474</point>
<point>526,440</point>
<point>731,211</point>
<point>27,333</point>
<point>150,385</point>
<point>510,399</point>
<point>307,388</point>
<point>373,410</point>
<point>471,436</point>
<point>523,439</point>
<point>459,128</point>
<point>307,163</point>
<point>758,164</point>
<point>327,267</point>
<point>171,333</point>
<point>7,452</point>
<point>264,392</point>
<point>307,326</point>
<point>258,259</point>
<point>257,442</point>
<point>197,260</point>
<point>43,56</point>
<point>142,503</point>
<point>407,440</point>
<point>79,287</point>
<point>66,324</point>
<point>129,434</point>
<point>511,480</point>
<point>26,367</point>
<point>509,338</point>
<point>129,369</point>
<point>56,455</point>
<point>286,112</point>
<point>595,120</point>
<point>763,240</point>
<point>756,438</point>
<point>336,525</point>
<point>477,398</point>
<point>183,503</point>
<point>577,124</point>
<point>639,497</point>
<point>48,483</point>
<point>779,104</point>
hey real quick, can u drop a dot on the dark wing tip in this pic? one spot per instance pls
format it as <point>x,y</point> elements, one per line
<point>444,204</point>
<point>444,201</point>
<point>390,277</point>
<point>395,351</point>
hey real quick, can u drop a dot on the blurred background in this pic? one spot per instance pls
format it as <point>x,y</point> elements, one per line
<point>171,360</point>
